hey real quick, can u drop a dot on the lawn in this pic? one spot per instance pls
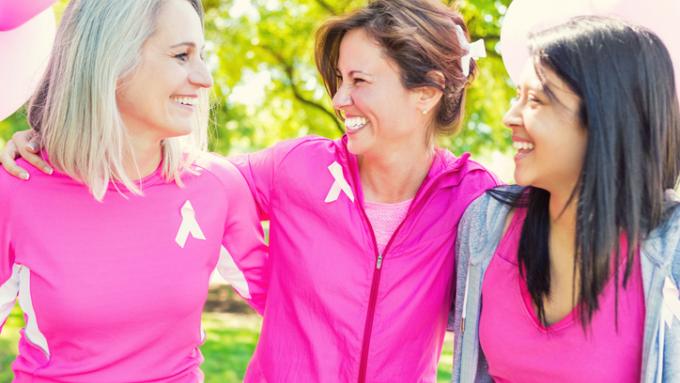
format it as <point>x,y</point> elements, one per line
<point>231,338</point>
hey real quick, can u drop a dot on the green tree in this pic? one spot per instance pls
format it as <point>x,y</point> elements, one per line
<point>267,88</point>
<point>266,85</point>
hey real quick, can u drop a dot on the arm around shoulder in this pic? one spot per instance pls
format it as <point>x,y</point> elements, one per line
<point>243,259</point>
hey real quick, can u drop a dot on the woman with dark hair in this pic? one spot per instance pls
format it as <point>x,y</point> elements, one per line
<point>362,228</point>
<point>578,267</point>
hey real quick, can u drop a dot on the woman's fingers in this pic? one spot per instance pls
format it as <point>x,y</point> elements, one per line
<point>24,144</point>
<point>28,146</point>
<point>7,156</point>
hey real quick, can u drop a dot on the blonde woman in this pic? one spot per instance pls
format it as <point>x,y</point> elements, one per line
<point>110,256</point>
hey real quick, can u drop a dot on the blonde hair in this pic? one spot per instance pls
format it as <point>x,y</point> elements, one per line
<point>75,109</point>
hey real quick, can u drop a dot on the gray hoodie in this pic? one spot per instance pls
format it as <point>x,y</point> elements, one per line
<point>479,233</point>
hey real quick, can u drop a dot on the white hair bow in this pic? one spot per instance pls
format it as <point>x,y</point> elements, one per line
<point>474,50</point>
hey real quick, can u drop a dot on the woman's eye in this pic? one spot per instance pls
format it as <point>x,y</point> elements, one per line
<point>182,57</point>
<point>534,100</point>
<point>359,80</point>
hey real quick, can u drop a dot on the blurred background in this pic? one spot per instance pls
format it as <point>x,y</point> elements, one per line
<point>266,90</point>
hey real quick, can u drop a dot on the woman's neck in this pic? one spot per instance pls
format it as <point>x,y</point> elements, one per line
<point>562,241</point>
<point>395,175</point>
<point>146,155</point>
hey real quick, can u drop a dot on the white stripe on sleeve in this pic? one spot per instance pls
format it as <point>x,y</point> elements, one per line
<point>232,274</point>
<point>8,293</point>
<point>32,331</point>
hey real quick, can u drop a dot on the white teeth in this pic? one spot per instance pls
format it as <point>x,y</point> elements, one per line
<point>520,145</point>
<point>355,123</point>
<point>186,100</point>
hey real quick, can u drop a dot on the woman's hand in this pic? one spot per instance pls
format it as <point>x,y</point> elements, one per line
<point>25,144</point>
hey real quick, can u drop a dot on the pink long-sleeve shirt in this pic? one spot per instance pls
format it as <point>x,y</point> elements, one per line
<point>113,291</point>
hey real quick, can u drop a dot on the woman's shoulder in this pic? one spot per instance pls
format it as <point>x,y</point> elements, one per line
<point>670,227</point>
<point>487,216</point>
<point>310,147</point>
<point>217,166</point>
<point>663,243</point>
<point>38,181</point>
<point>309,143</point>
<point>494,202</point>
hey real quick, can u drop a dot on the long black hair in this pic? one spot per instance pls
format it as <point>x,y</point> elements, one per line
<point>624,77</point>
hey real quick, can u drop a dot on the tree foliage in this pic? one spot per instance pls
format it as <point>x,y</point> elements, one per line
<point>266,85</point>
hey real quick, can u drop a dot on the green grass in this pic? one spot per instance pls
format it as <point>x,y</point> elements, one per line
<point>231,340</point>
<point>8,343</point>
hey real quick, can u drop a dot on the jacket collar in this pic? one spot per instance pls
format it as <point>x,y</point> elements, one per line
<point>444,163</point>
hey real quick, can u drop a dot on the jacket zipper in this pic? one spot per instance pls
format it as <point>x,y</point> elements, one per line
<point>368,327</point>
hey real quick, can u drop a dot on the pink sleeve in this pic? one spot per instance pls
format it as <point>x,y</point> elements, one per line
<point>259,169</point>
<point>243,258</point>
<point>9,285</point>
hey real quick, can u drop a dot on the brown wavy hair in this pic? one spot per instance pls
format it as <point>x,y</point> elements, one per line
<point>419,36</point>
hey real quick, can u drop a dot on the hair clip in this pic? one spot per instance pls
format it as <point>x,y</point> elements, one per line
<point>474,50</point>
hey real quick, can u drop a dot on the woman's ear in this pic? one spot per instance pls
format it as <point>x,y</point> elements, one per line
<point>427,97</point>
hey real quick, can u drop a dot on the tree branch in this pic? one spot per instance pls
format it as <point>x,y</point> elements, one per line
<point>323,4</point>
<point>290,74</point>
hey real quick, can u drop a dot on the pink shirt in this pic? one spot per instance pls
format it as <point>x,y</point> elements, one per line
<point>113,291</point>
<point>520,349</point>
<point>385,219</point>
<point>335,310</point>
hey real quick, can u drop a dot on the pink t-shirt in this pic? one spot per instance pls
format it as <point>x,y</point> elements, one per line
<point>113,291</point>
<point>385,219</point>
<point>519,348</point>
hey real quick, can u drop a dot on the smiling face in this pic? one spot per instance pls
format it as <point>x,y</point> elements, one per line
<point>159,99</point>
<point>546,132</point>
<point>380,113</point>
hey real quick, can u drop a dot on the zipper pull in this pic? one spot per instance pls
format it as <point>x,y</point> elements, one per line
<point>378,264</point>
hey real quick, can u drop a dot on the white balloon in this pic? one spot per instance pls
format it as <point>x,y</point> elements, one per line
<point>525,16</point>
<point>25,53</point>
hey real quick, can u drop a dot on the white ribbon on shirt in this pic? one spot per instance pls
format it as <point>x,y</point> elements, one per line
<point>671,303</point>
<point>339,184</point>
<point>474,50</point>
<point>189,225</point>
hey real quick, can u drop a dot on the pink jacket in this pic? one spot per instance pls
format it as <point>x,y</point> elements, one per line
<point>336,310</point>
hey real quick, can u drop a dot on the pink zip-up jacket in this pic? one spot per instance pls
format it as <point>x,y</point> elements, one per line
<point>336,310</point>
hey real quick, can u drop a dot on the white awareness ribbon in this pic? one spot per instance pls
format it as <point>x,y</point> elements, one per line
<point>189,225</point>
<point>474,50</point>
<point>339,184</point>
<point>671,303</point>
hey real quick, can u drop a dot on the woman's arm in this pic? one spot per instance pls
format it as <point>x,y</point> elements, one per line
<point>243,260</point>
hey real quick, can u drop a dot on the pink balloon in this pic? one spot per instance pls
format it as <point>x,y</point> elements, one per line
<point>25,53</point>
<point>13,13</point>
<point>524,16</point>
